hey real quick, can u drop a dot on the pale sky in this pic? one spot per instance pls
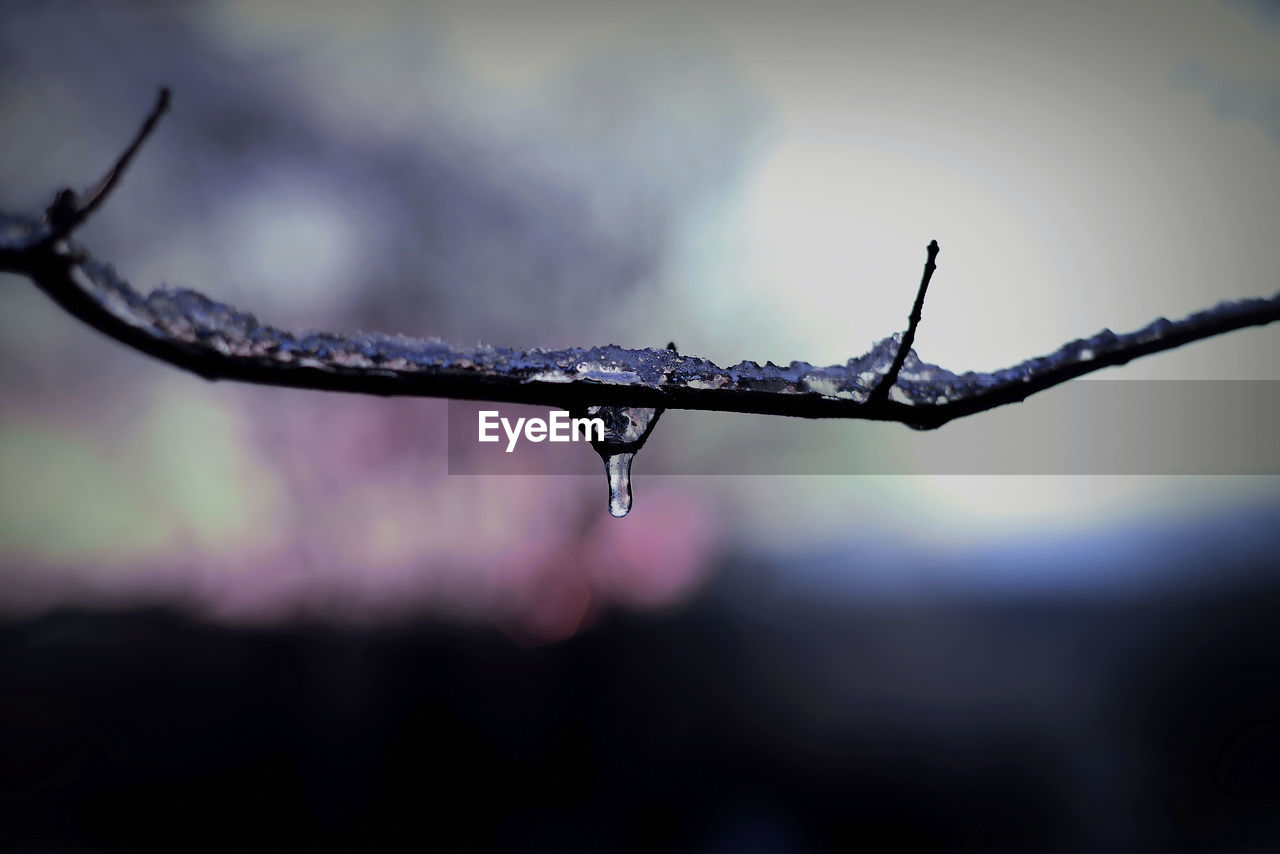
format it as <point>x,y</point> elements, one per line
<point>1075,161</point>
<point>1081,164</point>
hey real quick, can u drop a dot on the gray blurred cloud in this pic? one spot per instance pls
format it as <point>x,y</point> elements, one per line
<point>1256,101</point>
<point>1266,11</point>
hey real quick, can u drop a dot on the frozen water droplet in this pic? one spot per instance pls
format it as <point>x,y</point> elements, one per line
<point>625,431</point>
<point>618,468</point>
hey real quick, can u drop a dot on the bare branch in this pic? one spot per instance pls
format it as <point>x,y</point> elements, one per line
<point>217,341</point>
<point>68,212</point>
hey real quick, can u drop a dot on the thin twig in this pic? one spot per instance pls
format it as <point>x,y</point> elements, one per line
<point>67,213</point>
<point>881,391</point>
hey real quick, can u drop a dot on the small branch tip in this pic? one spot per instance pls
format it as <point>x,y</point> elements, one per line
<point>881,392</point>
<point>68,212</point>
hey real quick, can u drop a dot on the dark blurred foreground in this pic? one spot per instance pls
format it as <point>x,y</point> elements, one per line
<point>1119,723</point>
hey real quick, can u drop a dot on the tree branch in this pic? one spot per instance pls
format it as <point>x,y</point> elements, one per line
<point>217,341</point>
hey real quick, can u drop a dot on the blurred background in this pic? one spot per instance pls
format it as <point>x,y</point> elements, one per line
<point>272,615</point>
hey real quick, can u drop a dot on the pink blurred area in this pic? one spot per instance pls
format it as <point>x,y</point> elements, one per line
<point>348,516</point>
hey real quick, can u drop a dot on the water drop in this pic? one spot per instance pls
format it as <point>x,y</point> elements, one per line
<point>625,431</point>
<point>618,468</point>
